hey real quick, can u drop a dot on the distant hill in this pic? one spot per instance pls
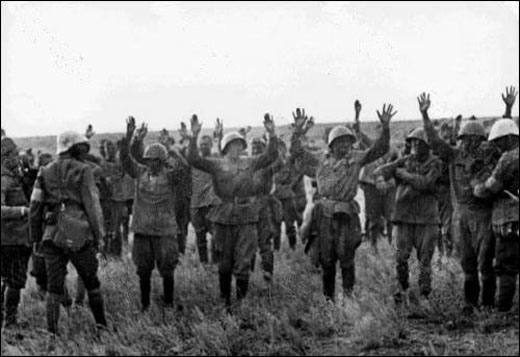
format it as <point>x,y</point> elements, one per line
<point>398,132</point>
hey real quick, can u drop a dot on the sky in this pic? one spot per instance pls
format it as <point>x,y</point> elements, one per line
<point>65,65</point>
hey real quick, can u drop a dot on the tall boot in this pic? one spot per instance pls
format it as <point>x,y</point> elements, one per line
<point>145,285</point>
<point>253,263</point>
<point>97,306</point>
<point>389,232</point>
<point>168,286</point>
<point>80,292</point>
<point>202,246</point>
<point>53,312</point>
<point>225,288</point>
<point>4,288</point>
<point>242,287</point>
<point>448,244</point>
<point>489,288</point>
<point>471,293</point>
<point>506,292</point>
<point>12,299</point>
<point>348,277</point>
<point>329,283</point>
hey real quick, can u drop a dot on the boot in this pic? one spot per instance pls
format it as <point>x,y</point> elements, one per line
<point>145,285</point>
<point>168,286</point>
<point>292,240</point>
<point>489,287</point>
<point>97,306</point>
<point>506,292</point>
<point>4,287</point>
<point>66,300</point>
<point>12,299</point>
<point>202,247</point>
<point>80,292</point>
<point>329,283</point>
<point>225,288</point>
<point>242,287</point>
<point>348,277</point>
<point>253,262</point>
<point>471,292</point>
<point>53,312</point>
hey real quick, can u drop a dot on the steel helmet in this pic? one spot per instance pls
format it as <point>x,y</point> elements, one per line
<point>419,134</point>
<point>230,137</point>
<point>8,146</point>
<point>472,128</point>
<point>156,151</point>
<point>338,132</point>
<point>501,128</point>
<point>68,139</point>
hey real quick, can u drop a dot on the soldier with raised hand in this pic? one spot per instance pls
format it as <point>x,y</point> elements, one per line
<point>154,220</point>
<point>236,217</point>
<point>67,221</point>
<point>416,214</point>
<point>502,186</point>
<point>203,199</point>
<point>337,213</point>
<point>16,249</point>
<point>472,216</point>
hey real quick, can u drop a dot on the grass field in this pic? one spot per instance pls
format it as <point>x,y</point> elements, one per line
<point>289,318</point>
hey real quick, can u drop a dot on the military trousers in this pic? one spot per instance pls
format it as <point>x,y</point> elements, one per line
<point>507,262</point>
<point>235,247</point>
<point>477,251</point>
<point>149,251</point>
<point>422,237</point>
<point>378,211</point>
<point>15,259</point>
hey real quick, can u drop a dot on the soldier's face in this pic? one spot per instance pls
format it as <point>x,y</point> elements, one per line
<point>505,142</point>
<point>235,148</point>
<point>419,148</point>
<point>205,147</point>
<point>257,149</point>
<point>342,146</point>
<point>470,143</point>
<point>11,161</point>
<point>110,150</point>
<point>155,165</point>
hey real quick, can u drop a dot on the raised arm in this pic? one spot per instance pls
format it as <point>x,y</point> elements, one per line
<point>382,144</point>
<point>307,161</point>
<point>364,140</point>
<point>509,100</point>
<point>270,155</point>
<point>442,148</point>
<point>130,166</point>
<point>193,157</point>
<point>424,182</point>
<point>218,133</point>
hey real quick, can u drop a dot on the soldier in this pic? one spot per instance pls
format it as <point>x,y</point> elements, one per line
<point>379,193</point>
<point>66,220</point>
<point>154,220</point>
<point>270,209</point>
<point>203,200</point>
<point>472,217</point>
<point>416,214</point>
<point>503,187</point>
<point>236,218</point>
<point>15,238</point>
<point>336,215</point>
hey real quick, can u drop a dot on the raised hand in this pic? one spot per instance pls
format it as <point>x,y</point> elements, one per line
<point>308,125</point>
<point>196,126</point>
<point>510,96</point>
<point>130,126</point>
<point>183,131</point>
<point>90,132</point>
<point>357,108</point>
<point>141,132</point>
<point>424,102</point>
<point>269,124</point>
<point>387,114</point>
<point>219,129</point>
<point>300,119</point>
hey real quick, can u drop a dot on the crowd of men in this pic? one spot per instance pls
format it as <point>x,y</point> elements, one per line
<point>454,187</point>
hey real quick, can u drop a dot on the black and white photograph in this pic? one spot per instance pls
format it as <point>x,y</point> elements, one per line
<point>260,178</point>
